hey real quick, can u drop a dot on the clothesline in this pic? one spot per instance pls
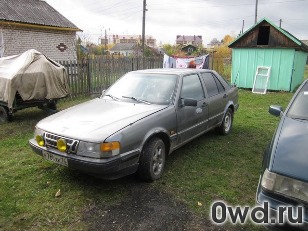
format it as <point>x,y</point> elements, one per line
<point>200,62</point>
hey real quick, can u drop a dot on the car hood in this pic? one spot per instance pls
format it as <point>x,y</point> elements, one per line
<point>97,119</point>
<point>291,156</point>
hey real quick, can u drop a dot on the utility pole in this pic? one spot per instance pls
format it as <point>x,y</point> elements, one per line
<point>143,25</point>
<point>256,12</point>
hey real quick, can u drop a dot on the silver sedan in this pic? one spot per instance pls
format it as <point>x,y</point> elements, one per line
<point>142,117</point>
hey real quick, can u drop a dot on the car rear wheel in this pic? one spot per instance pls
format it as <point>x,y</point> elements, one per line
<point>52,105</point>
<point>152,160</point>
<point>226,126</point>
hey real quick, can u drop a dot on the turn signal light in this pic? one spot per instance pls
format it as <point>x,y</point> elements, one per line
<point>107,147</point>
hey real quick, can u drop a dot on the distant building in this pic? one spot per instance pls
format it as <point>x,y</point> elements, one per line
<point>125,49</point>
<point>33,24</point>
<point>213,45</point>
<point>189,49</point>
<point>116,39</point>
<point>195,40</point>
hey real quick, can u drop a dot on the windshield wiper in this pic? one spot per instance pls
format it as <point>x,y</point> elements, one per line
<point>136,99</point>
<point>112,97</point>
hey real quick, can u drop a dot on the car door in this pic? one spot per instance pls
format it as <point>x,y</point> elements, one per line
<point>217,98</point>
<point>191,119</point>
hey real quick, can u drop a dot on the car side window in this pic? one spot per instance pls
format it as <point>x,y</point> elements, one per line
<point>210,84</point>
<point>221,88</point>
<point>192,88</point>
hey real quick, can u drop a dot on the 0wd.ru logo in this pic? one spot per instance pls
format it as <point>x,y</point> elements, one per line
<point>220,213</point>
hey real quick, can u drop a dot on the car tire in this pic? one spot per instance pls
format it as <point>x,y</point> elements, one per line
<point>152,160</point>
<point>52,106</point>
<point>4,115</point>
<point>226,125</point>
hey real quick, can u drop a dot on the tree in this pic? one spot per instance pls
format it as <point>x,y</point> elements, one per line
<point>169,49</point>
<point>227,39</point>
<point>222,55</point>
<point>214,41</point>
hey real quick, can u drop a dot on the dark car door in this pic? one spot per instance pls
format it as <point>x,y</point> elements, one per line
<point>191,120</point>
<point>217,98</point>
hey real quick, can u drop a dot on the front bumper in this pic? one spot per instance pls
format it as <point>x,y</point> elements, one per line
<point>109,168</point>
<point>275,202</point>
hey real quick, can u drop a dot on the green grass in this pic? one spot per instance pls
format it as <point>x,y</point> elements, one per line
<point>210,168</point>
<point>227,168</point>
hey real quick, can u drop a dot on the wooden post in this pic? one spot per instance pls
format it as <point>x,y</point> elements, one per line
<point>89,76</point>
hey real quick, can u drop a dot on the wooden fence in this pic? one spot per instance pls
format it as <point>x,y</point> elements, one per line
<point>92,75</point>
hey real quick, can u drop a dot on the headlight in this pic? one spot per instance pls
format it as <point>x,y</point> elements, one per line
<point>39,136</point>
<point>98,150</point>
<point>285,185</point>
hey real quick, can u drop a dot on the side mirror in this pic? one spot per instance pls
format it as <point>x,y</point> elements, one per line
<point>189,102</point>
<point>275,110</point>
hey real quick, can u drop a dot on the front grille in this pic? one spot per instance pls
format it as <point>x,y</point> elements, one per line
<point>51,141</point>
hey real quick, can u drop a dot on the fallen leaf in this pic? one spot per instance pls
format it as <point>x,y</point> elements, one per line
<point>58,194</point>
<point>199,203</point>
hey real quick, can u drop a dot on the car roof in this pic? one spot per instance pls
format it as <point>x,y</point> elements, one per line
<point>177,71</point>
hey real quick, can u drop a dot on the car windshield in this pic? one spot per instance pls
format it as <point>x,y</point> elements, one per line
<point>144,88</point>
<point>299,107</point>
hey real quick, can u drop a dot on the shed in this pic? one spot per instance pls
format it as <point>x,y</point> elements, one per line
<point>267,45</point>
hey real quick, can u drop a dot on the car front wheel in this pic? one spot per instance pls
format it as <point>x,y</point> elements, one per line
<point>227,122</point>
<point>152,160</point>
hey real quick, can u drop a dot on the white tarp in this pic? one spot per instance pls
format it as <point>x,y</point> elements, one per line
<point>33,76</point>
<point>1,44</point>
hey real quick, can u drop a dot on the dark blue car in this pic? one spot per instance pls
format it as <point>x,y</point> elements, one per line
<point>284,176</point>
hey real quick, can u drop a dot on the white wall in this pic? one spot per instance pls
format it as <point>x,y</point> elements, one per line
<point>19,40</point>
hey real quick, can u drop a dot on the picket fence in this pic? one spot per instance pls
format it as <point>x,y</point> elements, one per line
<point>91,76</point>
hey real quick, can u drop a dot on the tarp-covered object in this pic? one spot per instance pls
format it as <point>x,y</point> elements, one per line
<point>33,76</point>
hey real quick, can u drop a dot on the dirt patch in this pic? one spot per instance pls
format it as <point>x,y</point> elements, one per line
<point>146,208</point>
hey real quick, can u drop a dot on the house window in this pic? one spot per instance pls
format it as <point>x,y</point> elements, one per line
<point>263,35</point>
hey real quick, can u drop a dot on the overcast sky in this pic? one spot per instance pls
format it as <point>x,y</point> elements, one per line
<point>167,18</point>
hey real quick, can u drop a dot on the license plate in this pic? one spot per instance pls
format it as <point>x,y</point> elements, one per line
<point>54,158</point>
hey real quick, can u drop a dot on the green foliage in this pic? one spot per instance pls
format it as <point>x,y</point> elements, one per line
<point>170,50</point>
<point>221,56</point>
<point>210,168</point>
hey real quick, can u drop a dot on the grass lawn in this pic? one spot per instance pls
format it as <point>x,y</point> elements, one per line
<point>210,168</point>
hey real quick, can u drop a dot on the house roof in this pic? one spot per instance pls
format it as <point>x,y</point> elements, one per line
<point>123,46</point>
<point>33,12</point>
<point>189,38</point>
<point>284,32</point>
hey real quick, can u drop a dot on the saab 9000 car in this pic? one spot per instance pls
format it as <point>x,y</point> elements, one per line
<point>284,176</point>
<point>142,117</point>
